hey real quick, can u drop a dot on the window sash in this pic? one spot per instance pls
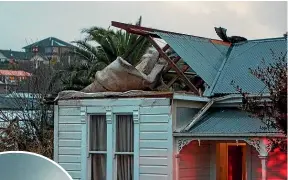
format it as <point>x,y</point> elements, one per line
<point>116,171</point>
<point>90,134</point>
<point>91,152</point>
<point>114,153</point>
<point>117,153</point>
<point>93,170</point>
<point>97,152</point>
<point>124,153</point>
<point>115,119</point>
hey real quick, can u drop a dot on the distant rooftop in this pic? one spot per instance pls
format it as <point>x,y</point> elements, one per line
<point>49,42</point>
<point>9,54</point>
<point>14,73</point>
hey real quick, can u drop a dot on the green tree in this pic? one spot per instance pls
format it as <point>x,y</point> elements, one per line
<point>110,44</point>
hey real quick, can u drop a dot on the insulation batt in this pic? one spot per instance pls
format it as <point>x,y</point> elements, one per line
<point>121,76</point>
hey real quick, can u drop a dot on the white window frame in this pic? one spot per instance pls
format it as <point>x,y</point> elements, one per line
<point>114,119</point>
<point>89,152</point>
<point>110,113</point>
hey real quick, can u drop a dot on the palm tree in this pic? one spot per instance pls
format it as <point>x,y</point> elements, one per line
<point>110,44</point>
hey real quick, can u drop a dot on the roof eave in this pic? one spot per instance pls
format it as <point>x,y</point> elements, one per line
<point>189,97</point>
<point>236,135</point>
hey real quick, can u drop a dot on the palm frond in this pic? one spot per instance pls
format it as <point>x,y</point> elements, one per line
<point>110,44</point>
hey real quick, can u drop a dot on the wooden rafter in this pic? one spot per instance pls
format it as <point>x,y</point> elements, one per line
<point>166,47</point>
<point>184,69</point>
<point>175,62</point>
<point>174,66</point>
<point>140,30</point>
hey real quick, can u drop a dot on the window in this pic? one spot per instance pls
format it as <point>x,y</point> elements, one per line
<point>12,78</point>
<point>55,50</point>
<point>120,157</point>
<point>98,146</point>
<point>64,50</point>
<point>48,50</point>
<point>124,144</point>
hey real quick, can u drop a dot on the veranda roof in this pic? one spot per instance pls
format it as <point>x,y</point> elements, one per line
<point>230,122</point>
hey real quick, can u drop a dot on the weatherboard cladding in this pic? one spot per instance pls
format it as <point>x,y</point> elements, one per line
<point>229,121</point>
<point>244,56</point>
<point>154,135</point>
<point>202,55</point>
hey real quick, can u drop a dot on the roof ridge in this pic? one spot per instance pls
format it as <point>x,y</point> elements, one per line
<point>220,70</point>
<point>51,38</point>
<point>262,40</point>
<point>189,35</point>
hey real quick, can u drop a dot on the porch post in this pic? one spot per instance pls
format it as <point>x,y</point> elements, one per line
<point>177,167</point>
<point>263,146</point>
<point>264,167</point>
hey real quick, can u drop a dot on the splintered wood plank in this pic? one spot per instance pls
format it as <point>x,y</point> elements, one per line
<point>185,68</point>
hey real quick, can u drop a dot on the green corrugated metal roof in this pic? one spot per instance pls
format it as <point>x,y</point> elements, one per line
<point>18,55</point>
<point>49,42</point>
<point>202,55</point>
<point>229,121</point>
<point>244,56</point>
<point>17,103</point>
<point>218,65</point>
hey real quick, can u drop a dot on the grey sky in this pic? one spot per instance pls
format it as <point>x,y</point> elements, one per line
<point>37,20</point>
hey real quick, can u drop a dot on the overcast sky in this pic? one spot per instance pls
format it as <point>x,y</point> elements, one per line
<point>26,22</point>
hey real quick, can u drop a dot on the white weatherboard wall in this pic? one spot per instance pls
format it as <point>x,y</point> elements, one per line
<point>153,136</point>
<point>155,143</point>
<point>67,141</point>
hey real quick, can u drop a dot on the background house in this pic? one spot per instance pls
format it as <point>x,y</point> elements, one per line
<point>8,55</point>
<point>9,79</point>
<point>50,49</point>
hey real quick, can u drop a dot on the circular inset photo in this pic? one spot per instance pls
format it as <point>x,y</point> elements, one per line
<point>16,165</point>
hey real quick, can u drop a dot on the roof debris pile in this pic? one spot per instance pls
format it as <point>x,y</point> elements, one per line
<point>121,76</point>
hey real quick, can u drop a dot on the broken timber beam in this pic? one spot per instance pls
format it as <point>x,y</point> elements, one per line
<point>166,47</point>
<point>185,68</point>
<point>169,67</point>
<point>173,65</point>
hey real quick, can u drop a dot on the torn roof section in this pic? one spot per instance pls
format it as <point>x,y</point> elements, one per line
<point>218,64</point>
<point>244,56</point>
<point>204,56</point>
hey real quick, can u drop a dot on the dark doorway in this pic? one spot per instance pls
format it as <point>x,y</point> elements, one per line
<point>235,159</point>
